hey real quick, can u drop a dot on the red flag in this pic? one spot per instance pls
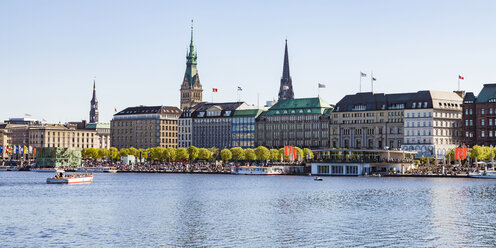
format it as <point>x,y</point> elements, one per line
<point>115,109</point>
<point>465,153</point>
<point>295,154</point>
<point>214,90</point>
<point>460,77</point>
<point>287,150</point>
<point>457,153</point>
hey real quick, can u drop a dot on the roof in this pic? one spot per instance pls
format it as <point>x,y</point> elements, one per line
<point>97,125</point>
<point>150,110</point>
<point>226,109</point>
<point>248,112</point>
<point>469,97</point>
<point>487,94</point>
<point>368,101</point>
<point>314,105</point>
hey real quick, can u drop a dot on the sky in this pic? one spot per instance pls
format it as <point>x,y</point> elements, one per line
<point>50,51</point>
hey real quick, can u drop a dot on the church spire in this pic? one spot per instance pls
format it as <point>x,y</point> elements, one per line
<point>94,105</point>
<point>191,89</point>
<point>286,88</point>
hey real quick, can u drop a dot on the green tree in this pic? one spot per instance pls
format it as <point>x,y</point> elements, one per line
<point>114,153</point>
<point>102,152</point>
<point>182,154</point>
<point>226,155</point>
<point>156,153</point>
<point>250,154</point>
<point>124,152</point>
<point>133,151</point>
<point>262,153</point>
<point>238,154</point>
<point>193,152</point>
<point>480,153</point>
<point>214,153</point>
<point>281,154</point>
<point>171,154</point>
<point>92,153</point>
<point>308,153</point>
<point>204,154</point>
<point>274,155</point>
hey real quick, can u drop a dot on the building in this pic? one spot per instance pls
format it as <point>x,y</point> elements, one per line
<point>243,127</point>
<point>408,121</point>
<point>65,136</point>
<point>286,87</point>
<point>303,122</point>
<point>479,117</point>
<point>191,89</point>
<point>94,106</point>
<point>145,127</point>
<point>102,134</point>
<point>4,140</point>
<point>212,124</point>
<point>185,127</point>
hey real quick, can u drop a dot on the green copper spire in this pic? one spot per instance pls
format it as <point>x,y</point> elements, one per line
<point>191,70</point>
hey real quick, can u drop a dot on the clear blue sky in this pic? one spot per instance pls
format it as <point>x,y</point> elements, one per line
<point>51,50</point>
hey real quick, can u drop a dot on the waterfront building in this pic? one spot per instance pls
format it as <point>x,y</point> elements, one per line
<point>286,87</point>
<point>102,134</point>
<point>357,162</point>
<point>66,136</point>
<point>4,140</point>
<point>479,117</point>
<point>243,127</point>
<point>145,127</point>
<point>212,124</point>
<point>94,106</point>
<point>185,127</point>
<point>191,89</point>
<point>397,121</point>
<point>302,122</point>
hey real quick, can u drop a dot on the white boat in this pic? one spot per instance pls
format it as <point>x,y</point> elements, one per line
<point>256,170</point>
<point>97,169</point>
<point>61,178</point>
<point>489,174</point>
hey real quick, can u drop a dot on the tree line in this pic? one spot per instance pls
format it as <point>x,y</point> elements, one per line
<point>193,153</point>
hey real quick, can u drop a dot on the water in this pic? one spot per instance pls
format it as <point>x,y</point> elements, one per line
<point>163,210</point>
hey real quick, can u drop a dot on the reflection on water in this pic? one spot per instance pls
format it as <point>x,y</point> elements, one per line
<point>122,210</point>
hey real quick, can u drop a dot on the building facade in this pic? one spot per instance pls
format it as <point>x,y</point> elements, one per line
<point>145,127</point>
<point>212,124</point>
<point>67,136</point>
<point>302,122</point>
<point>191,88</point>
<point>479,117</point>
<point>243,127</point>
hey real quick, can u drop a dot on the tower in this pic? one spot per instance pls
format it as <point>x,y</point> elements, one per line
<point>191,89</point>
<point>286,88</point>
<point>94,106</point>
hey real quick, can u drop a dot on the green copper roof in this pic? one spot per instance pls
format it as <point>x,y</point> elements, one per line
<point>191,56</point>
<point>315,105</point>
<point>487,94</point>
<point>97,125</point>
<point>248,112</point>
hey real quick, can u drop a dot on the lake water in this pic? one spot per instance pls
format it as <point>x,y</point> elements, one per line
<point>163,210</point>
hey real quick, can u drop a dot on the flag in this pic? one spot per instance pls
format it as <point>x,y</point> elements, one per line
<point>288,150</point>
<point>322,85</point>
<point>465,153</point>
<point>25,150</point>
<point>34,150</point>
<point>1,149</point>
<point>457,153</point>
<point>295,154</point>
<point>214,90</point>
<point>460,77</point>
<point>28,115</point>
<point>239,88</point>
<point>374,79</point>
<point>43,120</point>
<point>30,150</point>
<point>115,109</point>
<point>363,74</point>
<point>16,150</point>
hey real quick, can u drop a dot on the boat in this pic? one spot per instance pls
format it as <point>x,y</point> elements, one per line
<point>487,174</point>
<point>318,179</point>
<point>8,168</point>
<point>257,170</point>
<point>97,169</point>
<point>61,178</point>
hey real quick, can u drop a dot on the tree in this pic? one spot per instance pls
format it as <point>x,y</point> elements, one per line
<point>193,152</point>
<point>214,153</point>
<point>299,153</point>
<point>204,154</point>
<point>113,153</point>
<point>156,153</point>
<point>91,153</point>
<point>308,153</point>
<point>281,154</point>
<point>480,153</point>
<point>124,152</point>
<point>133,151</point>
<point>226,155</point>
<point>237,153</point>
<point>250,154</point>
<point>102,152</point>
<point>274,155</point>
<point>262,153</point>
<point>171,154</point>
<point>182,154</point>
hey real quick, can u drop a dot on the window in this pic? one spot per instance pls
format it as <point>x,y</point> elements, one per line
<point>482,111</point>
<point>470,111</point>
<point>482,122</point>
<point>482,134</point>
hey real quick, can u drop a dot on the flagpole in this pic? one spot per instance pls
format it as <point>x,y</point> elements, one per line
<point>360,82</point>
<point>318,90</point>
<point>458,82</point>
<point>372,81</point>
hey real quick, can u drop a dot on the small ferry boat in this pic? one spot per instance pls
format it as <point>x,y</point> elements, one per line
<point>257,170</point>
<point>97,169</point>
<point>318,179</point>
<point>490,174</point>
<point>61,178</point>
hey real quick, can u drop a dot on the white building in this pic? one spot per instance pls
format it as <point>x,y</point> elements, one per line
<point>433,125</point>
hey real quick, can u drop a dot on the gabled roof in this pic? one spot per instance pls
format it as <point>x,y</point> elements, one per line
<point>487,94</point>
<point>150,110</point>
<point>314,105</point>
